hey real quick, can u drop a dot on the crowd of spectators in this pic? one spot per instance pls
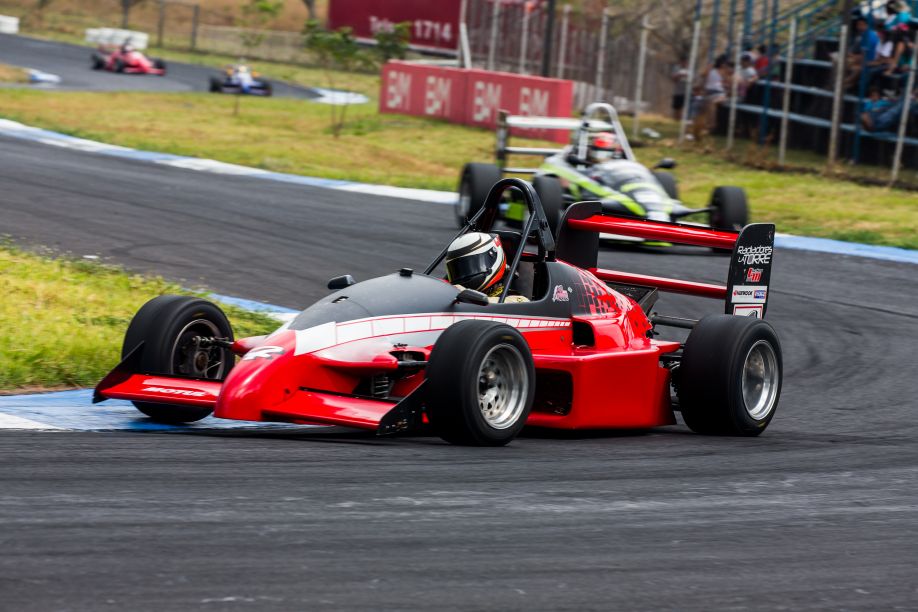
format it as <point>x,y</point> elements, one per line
<point>877,62</point>
<point>876,65</point>
<point>714,83</point>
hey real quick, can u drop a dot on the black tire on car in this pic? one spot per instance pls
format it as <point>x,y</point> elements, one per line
<point>668,183</point>
<point>216,84</point>
<point>97,62</point>
<point>167,325</point>
<point>729,381</point>
<point>551,194</point>
<point>268,89</point>
<point>480,383</point>
<point>475,184</point>
<point>159,65</point>
<point>729,209</point>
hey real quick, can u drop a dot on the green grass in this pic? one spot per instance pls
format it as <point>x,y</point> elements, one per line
<point>62,321</point>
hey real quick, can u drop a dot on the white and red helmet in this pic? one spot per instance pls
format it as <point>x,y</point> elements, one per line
<point>476,261</point>
<point>604,146</point>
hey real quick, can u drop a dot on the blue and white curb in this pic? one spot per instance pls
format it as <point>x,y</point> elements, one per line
<point>19,130</point>
<point>74,411</point>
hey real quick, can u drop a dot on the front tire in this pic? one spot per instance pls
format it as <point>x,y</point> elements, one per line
<point>729,381</point>
<point>551,194</point>
<point>480,383</point>
<point>475,184</point>
<point>668,183</point>
<point>167,326</point>
<point>729,209</point>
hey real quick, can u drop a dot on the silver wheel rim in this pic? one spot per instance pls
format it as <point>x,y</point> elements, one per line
<point>196,361</point>
<point>503,385</point>
<point>760,380</point>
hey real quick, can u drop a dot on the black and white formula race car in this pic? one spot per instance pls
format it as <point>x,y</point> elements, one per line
<point>240,79</point>
<point>599,164</point>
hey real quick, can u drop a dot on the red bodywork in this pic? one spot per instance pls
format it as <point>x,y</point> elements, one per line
<point>115,59</point>
<point>597,368</point>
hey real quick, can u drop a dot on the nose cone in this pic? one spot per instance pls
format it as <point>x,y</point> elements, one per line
<point>263,377</point>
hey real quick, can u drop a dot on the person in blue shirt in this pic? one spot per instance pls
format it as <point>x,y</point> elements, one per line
<point>887,119</point>
<point>863,52</point>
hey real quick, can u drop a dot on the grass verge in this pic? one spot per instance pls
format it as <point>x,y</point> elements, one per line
<point>12,74</point>
<point>293,136</point>
<point>62,321</point>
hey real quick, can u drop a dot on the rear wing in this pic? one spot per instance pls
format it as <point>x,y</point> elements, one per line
<point>746,291</point>
<point>597,117</point>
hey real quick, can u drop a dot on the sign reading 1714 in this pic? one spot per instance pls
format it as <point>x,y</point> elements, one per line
<point>434,25</point>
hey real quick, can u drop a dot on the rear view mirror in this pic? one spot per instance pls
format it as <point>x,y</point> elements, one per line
<point>667,163</point>
<point>470,296</point>
<point>341,282</point>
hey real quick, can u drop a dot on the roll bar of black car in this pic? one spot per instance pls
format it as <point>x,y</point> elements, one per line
<point>484,219</point>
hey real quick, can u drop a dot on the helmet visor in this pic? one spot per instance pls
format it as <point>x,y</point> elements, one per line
<point>471,271</point>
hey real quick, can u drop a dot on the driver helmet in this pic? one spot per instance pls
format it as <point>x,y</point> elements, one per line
<point>476,261</point>
<point>603,147</point>
<point>242,69</point>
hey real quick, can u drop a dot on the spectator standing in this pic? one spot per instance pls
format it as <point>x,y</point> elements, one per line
<point>679,75</point>
<point>747,75</point>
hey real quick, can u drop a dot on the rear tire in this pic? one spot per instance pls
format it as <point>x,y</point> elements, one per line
<point>160,65</point>
<point>474,186</point>
<point>480,384</point>
<point>729,381</point>
<point>216,85</point>
<point>166,325</point>
<point>551,194</point>
<point>268,89</point>
<point>729,209</point>
<point>97,62</point>
<point>668,183</point>
<point>118,66</point>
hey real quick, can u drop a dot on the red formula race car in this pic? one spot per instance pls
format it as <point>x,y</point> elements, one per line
<point>126,59</point>
<point>409,350</point>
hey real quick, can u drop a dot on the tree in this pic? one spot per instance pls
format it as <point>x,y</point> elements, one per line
<point>392,43</point>
<point>336,51</point>
<point>311,9</point>
<point>256,14</point>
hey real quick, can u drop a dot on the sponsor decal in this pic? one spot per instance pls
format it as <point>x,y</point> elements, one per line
<point>561,294</point>
<point>754,275</point>
<point>263,352</point>
<point>182,392</point>
<point>749,310</point>
<point>754,255</point>
<point>749,294</point>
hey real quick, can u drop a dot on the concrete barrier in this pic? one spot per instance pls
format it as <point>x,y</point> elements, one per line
<point>9,25</point>
<point>115,36</point>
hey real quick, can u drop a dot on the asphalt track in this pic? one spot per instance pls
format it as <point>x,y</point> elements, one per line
<point>821,512</point>
<point>71,63</point>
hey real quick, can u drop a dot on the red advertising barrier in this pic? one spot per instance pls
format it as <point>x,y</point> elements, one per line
<point>473,97</point>
<point>434,25</point>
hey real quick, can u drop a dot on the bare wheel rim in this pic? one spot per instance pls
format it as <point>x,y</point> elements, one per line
<point>760,380</point>
<point>503,385</point>
<point>189,358</point>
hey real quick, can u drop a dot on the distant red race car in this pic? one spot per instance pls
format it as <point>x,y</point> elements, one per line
<point>407,350</point>
<point>126,59</point>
